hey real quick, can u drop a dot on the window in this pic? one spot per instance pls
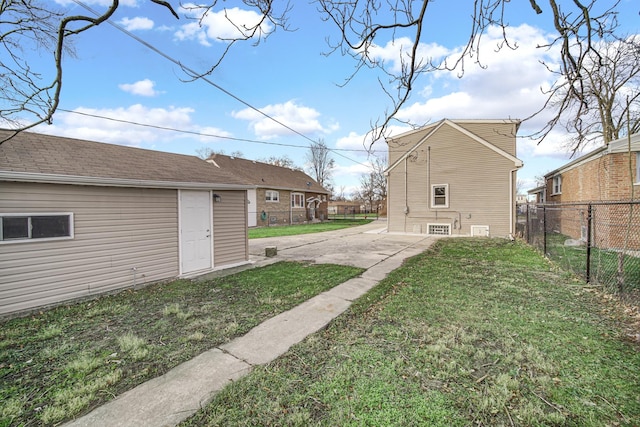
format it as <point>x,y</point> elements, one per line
<point>440,196</point>
<point>557,184</point>
<point>297,200</point>
<point>30,227</point>
<point>439,229</point>
<point>637,180</point>
<point>272,196</point>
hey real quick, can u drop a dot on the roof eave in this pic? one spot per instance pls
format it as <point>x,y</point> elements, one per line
<point>114,182</point>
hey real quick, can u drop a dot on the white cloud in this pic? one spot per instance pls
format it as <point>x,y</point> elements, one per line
<point>106,3</point>
<point>226,24</point>
<point>144,87</point>
<point>508,85</point>
<point>298,117</point>
<point>361,144</point>
<point>399,50</point>
<point>81,124</point>
<point>137,23</point>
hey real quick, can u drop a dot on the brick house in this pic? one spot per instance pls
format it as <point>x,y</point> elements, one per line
<point>608,174</point>
<point>279,195</point>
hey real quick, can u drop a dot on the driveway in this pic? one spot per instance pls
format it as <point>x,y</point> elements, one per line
<point>363,246</point>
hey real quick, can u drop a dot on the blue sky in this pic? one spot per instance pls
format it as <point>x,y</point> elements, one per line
<point>287,76</point>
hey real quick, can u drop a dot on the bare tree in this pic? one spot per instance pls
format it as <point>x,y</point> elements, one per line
<point>609,105</point>
<point>320,164</point>
<point>580,26</point>
<point>30,24</point>
<point>340,194</point>
<point>283,161</point>
<point>373,186</point>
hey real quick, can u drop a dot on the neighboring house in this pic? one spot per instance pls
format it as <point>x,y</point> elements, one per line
<point>279,195</point>
<point>538,194</point>
<point>343,208</point>
<point>79,218</point>
<point>607,174</point>
<point>454,177</point>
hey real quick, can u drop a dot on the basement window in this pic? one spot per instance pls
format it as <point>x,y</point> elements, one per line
<point>35,227</point>
<point>439,229</point>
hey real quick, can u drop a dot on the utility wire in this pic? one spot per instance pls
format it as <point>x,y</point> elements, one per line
<point>211,135</point>
<point>193,73</point>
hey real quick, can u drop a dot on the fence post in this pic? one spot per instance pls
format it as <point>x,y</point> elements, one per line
<point>544,230</point>
<point>589,219</point>
<point>527,225</point>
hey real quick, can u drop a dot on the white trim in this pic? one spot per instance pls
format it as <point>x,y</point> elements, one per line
<point>481,228</point>
<point>430,224</point>
<point>554,180</point>
<point>71,235</point>
<point>297,193</point>
<point>446,196</point>
<point>271,191</point>
<point>115,182</point>
<point>517,162</point>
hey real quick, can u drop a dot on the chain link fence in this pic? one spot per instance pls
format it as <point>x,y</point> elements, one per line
<point>598,241</point>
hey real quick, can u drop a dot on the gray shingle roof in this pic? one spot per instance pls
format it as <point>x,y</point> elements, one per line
<point>35,153</point>
<point>264,175</point>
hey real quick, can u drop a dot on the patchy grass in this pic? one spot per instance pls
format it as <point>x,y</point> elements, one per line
<point>291,230</point>
<point>609,268</point>
<point>473,332</point>
<point>57,364</point>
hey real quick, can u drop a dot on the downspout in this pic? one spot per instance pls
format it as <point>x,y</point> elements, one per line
<point>406,201</point>
<point>512,205</point>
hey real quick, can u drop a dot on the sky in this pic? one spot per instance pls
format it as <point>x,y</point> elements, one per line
<point>134,78</point>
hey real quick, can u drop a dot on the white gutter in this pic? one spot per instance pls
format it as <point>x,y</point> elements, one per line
<point>114,182</point>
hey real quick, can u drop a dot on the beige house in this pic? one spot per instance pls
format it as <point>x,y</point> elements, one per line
<point>454,177</point>
<point>79,218</point>
<point>278,195</point>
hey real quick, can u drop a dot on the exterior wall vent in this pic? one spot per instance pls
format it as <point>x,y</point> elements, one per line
<point>439,229</point>
<point>480,230</point>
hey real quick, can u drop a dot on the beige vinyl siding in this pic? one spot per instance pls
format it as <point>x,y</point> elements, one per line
<point>502,135</point>
<point>478,181</point>
<point>399,147</point>
<point>115,231</point>
<point>230,228</point>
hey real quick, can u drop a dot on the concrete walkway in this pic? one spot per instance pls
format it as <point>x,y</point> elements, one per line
<point>173,397</point>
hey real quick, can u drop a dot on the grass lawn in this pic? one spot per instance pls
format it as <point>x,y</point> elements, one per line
<point>605,264</point>
<point>290,230</point>
<point>479,332</point>
<point>60,363</point>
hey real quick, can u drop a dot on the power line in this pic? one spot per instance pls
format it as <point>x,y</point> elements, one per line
<point>197,133</point>
<point>200,76</point>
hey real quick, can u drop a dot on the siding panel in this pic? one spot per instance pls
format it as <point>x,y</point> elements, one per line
<point>230,228</point>
<point>116,230</point>
<point>477,177</point>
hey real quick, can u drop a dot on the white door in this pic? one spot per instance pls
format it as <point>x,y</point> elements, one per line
<point>252,208</point>
<point>195,230</point>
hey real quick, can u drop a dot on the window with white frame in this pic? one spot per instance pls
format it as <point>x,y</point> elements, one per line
<point>272,196</point>
<point>440,196</point>
<point>637,180</point>
<point>35,227</point>
<point>297,200</point>
<point>557,184</point>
